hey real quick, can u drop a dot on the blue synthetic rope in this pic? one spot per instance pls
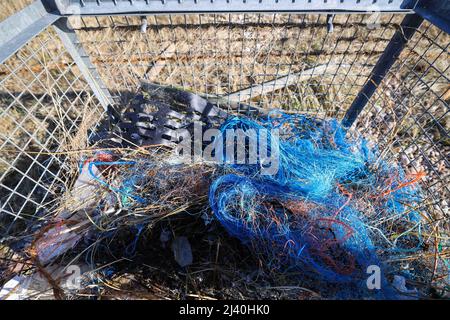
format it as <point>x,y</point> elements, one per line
<point>314,158</point>
<point>104,183</point>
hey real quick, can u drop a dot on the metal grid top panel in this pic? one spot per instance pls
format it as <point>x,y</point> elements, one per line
<point>96,7</point>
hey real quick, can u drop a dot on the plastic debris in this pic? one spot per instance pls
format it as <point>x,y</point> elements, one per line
<point>66,230</point>
<point>38,287</point>
<point>58,240</point>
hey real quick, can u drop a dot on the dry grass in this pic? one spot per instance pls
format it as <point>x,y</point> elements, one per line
<point>219,56</point>
<point>43,92</point>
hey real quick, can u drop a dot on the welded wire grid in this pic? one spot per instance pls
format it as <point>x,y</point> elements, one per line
<point>289,61</point>
<point>409,115</point>
<point>43,102</point>
<point>284,61</point>
<point>294,62</point>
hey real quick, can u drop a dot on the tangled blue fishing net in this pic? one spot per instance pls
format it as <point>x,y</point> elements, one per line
<point>333,210</point>
<point>306,197</point>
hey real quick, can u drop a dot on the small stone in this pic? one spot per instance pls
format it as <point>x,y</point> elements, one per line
<point>182,251</point>
<point>404,160</point>
<point>164,236</point>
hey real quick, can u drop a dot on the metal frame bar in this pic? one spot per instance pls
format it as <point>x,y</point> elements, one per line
<point>82,60</point>
<point>23,26</point>
<point>139,7</point>
<point>408,27</point>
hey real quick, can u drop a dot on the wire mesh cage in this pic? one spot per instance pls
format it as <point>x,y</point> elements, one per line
<point>383,70</point>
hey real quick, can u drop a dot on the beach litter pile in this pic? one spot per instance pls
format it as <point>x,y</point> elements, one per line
<point>331,216</point>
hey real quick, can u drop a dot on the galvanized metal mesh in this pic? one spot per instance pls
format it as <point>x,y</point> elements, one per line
<point>289,61</point>
<point>409,117</point>
<point>45,105</point>
<point>284,61</point>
